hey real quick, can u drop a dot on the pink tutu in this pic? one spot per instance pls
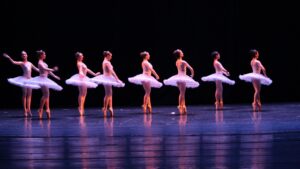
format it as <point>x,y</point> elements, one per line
<point>22,82</point>
<point>107,80</point>
<point>141,78</point>
<point>250,76</point>
<point>45,81</point>
<point>218,76</point>
<point>190,83</point>
<point>76,80</point>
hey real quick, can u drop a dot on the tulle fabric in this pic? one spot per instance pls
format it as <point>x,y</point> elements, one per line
<point>76,80</point>
<point>108,80</point>
<point>218,77</point>
<point>190,83</point>
<point>142,78</point>
<point>22,82</point>
<point>249,77</point>
<point>45,81</point>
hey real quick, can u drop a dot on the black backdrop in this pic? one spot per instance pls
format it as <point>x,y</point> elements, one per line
<point>128,27</point>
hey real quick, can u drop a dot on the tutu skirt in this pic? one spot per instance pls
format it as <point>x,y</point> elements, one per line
<point>190,83</point>
<point>142,78</point>
<point>76,80</point>
<point>45,81</point>
<point>249,77</point>
<point>107,80</point>
<point>22,82</point>
<point>218,77</point>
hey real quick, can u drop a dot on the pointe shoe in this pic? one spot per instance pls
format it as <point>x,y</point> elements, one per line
<point>221,105</point>
<point>104,111</point>
<point>111,112</point>
<point>254,106</point>
<point>149,109</point>
<point>40,112</point>
<point>81,111</point>
<point>48,113</point>
<point>29,113</point>
<point>144,108</point>
<point>259,106</point>
<point>180,109</point>
<point>184,110</point>
<point>217,105</point>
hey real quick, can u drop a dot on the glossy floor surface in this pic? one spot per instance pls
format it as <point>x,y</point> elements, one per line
<point>204,138</point>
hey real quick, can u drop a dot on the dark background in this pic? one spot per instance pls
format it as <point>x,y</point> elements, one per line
<point>159,26</point>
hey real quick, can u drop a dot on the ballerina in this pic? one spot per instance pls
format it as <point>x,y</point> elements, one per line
<point>181,80</point>
<point>21,81</point>
<point>256,78</point>
<point>82,81</point>
<point>108,79</point>
<point>146,80</point>
<point>218,78</point>
<point>45,83</point>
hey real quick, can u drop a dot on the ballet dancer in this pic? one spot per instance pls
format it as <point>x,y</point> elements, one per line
<point>256,78</point>
<point>45,83</point>
<point>108,79</point>
<point>181,80</point>
<point>146,80</point>
<point>21,81</point>
<point>218,78</point>
<point>82,81</point>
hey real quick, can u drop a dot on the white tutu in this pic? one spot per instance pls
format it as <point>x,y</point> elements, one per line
<point>45,81</point>
<point>190,83</point>
<point>218,76</point>
<point>107,80</point>
<point>250,76</point>
<point>21,81</point>
<point>76,80</point>
<point>140,78</point>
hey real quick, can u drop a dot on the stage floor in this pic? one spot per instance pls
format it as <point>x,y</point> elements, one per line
<point>204,138</point>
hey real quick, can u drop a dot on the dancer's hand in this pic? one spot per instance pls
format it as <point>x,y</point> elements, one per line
<point>98,73</point>
<point>55,68</point>
<point>6,55</point>
<point>192,75</point>
<point>157,77</point>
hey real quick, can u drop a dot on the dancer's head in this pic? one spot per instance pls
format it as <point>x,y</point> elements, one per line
<point>107,54</point>
<point>41,54</point>
<point>254,53</point>
<point>79,56</point>
<point>24,55</point>
<point>215,55</point>
<point>178,53</point>
<point>145,55</point>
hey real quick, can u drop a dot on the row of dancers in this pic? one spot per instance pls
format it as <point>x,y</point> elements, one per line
<point>148,79</point>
